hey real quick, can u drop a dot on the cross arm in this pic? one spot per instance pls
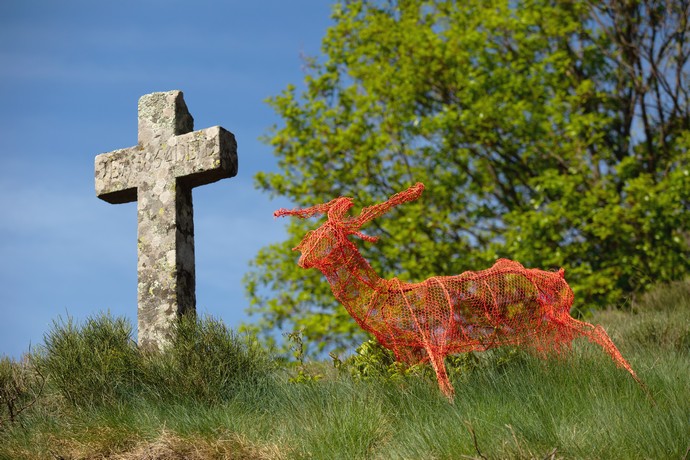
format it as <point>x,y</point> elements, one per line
<point>204,156</point>
<point>116,175</point>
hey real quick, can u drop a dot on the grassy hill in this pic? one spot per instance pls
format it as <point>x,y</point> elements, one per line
<point>89,393</point>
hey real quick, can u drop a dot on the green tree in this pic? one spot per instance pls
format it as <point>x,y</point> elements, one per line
<point>553,133</point>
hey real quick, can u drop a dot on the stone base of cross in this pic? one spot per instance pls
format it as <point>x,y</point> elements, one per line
<point>159,174</point>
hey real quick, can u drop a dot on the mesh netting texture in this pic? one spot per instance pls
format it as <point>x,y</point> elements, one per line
<point>506,304</point>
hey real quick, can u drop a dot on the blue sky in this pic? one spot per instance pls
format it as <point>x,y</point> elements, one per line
<point>71,73</point>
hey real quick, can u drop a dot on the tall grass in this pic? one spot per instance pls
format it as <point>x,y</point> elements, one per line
<point>214,394</point>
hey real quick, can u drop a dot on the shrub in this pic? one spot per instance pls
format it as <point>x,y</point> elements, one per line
<point>301,372</point>
<point>373,361</point>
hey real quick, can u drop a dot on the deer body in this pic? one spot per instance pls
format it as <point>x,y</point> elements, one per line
<point>505,304</point>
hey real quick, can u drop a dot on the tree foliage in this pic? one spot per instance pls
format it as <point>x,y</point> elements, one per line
<point>553,133</point>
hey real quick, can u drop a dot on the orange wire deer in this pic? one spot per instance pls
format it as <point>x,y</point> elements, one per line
<point>503,305</point>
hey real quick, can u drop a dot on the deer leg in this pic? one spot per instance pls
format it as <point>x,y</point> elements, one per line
<point>600,337</point>
<point>597,335</point>
<point>437,362</point>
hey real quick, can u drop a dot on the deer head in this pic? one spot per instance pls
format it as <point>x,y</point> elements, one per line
<point>318,247</point>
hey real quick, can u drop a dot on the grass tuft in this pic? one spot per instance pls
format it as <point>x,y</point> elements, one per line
<point>89,364</point>
<point>206,362</point>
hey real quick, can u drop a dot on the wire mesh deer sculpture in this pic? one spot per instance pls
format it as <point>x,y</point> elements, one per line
<point>506,304</point>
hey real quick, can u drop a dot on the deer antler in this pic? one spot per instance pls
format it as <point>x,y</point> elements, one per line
<point>374,211</point>
<point>335,209</point>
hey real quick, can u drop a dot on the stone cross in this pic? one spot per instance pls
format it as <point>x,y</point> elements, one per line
<point>159,174</point>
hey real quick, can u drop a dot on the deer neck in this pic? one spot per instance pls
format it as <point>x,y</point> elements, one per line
<point>353,281</point>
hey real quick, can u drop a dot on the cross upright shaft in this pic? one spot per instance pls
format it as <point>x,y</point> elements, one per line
<point>159,174</point>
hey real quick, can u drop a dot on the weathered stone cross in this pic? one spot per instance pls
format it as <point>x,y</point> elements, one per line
<point>159,174</point>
